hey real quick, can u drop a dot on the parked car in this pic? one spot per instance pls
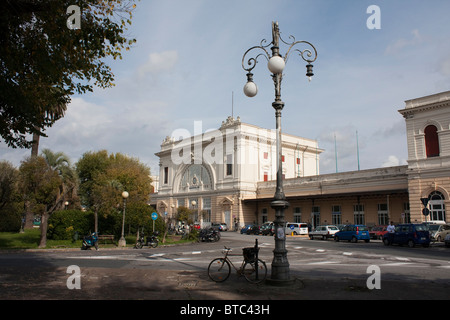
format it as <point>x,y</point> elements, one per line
<point>353,233</point>
<point>267,229</point>
<point>447,241</point>
<point>219,226</point>
<point>323,232</point>
<point>410,234</point>
<point>438,232</point>
<point>378,232</point>
<point>250,229</point>
<point>296,228</point>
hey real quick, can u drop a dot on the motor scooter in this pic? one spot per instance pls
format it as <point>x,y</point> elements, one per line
<point>209,235</point>
<point>152,241</point>
<point>90,241</point>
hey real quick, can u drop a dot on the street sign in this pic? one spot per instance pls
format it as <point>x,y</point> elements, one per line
<point>154,215</point>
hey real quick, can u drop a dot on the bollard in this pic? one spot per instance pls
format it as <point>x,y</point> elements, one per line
<point>256,258</point>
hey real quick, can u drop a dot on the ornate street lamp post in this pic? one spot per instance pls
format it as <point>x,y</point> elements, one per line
<point>276,63</point>
<point>122,241</point>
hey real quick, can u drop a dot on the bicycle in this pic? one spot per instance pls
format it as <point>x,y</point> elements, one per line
<point>253,269</point>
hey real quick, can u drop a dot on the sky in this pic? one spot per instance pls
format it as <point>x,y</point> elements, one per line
<point>186,67</point>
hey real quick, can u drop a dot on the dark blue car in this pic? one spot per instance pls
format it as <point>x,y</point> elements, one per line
<point>410,234</point>
<point>353,233</point>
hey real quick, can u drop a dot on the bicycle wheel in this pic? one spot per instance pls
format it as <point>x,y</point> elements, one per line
<point>250,271</point>
<point>219,270</point>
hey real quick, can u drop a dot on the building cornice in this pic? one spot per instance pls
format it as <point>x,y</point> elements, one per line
<point>427,103</point>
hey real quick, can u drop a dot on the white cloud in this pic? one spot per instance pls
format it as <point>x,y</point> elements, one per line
<point>393,161</point>
<point>159,62</point>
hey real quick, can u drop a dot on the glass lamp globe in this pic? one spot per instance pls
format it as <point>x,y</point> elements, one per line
<point>250,89</point>
<point>125,194</point>
<point>276,64</point>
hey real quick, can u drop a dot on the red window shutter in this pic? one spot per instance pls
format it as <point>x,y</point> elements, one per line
<point>431,141</point>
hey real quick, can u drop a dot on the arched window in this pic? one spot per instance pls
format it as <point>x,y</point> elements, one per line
<point>431,141</point>
<point>196,178</point>
<point>437,206</point>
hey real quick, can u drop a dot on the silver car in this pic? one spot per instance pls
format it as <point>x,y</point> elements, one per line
<point>438,232</point>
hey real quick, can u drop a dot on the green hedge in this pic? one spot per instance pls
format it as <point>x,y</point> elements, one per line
<point>63,224</point>
<point>11,217</point>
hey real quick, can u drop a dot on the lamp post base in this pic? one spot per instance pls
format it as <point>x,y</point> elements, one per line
<point>280,275</point>
<point>122,242</point>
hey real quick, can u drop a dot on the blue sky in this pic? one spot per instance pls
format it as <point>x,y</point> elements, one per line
<point>187,63</point>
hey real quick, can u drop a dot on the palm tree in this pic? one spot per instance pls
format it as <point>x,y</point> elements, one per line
<point>59,163</point>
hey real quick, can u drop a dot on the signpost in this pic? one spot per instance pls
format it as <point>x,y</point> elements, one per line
<point>154,217</point>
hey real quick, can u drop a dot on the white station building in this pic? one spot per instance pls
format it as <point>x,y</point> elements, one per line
<point>228,175</point>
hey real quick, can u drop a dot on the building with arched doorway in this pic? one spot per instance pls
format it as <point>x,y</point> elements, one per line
<point>213,172</point>
<point>228,175</point>
<point>428,138</point>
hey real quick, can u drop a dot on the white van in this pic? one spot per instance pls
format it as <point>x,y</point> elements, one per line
<point>296,228</point>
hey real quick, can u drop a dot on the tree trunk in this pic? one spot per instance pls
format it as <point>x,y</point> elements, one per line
<point>96,220</point>
<point>29,216</point>
<point>44,226</point>
<point>35,145</point>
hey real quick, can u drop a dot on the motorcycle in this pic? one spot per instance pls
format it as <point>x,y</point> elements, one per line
<point>90,241</point>
<point>152,241</point>
<point>209,235</point>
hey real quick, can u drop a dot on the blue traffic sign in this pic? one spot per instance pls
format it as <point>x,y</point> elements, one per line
<point>154,215</point>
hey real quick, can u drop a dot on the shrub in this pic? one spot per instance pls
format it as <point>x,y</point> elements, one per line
<point>63,224</point>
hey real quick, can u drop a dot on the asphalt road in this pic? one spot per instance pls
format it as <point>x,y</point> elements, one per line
<point>321,269</point>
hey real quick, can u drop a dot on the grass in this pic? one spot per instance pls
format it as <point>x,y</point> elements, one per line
<point>30,240</point>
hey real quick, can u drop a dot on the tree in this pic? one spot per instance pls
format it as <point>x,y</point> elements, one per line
<point>104,177</point>
<point>43,62</point>
<point>88,167</point>
<point>8,183</point>
<point>46,182</point>
<point>184,214</point>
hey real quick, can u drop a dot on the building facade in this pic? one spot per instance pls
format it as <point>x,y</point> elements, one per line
<point>214,172</point>
<point>228,175</point>
<point>428,138</point>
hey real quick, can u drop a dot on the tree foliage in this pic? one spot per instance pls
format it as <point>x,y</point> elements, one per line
<point>43,62</point>
<point>8,183</point>
<point>47,182</point>
<point>104,177</point>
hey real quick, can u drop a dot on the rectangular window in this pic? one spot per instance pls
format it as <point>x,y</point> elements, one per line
<point>266,176</point>
<point>406,217</point>
<point>166,175</point>
<point>298,160</point>
<point>206,209</point>
<point>266,155</point>
<point>358,213</point>
<point>383,215</point>
<point>315,213</point>
<point>297,214</point>
<point>282,158</point>
<point>336,215</point>
<point>264,215</point>
<point>229,164</point>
